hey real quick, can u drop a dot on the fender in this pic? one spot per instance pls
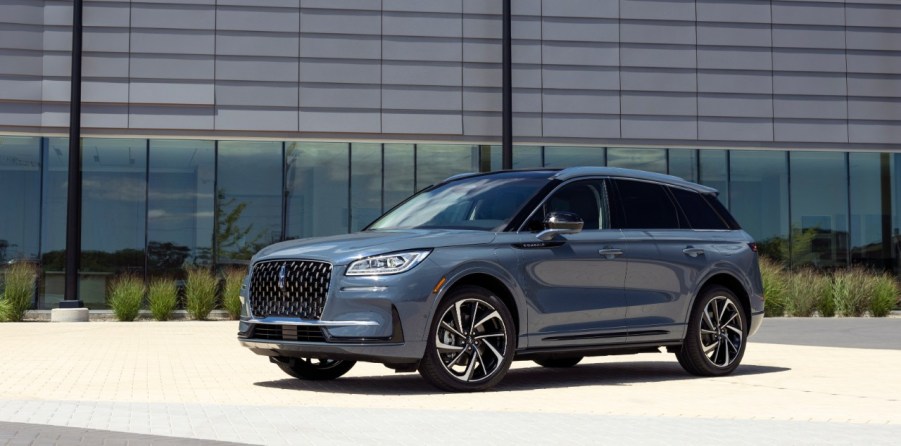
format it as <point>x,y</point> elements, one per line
<point>715,270</point>
<point>489,268</point>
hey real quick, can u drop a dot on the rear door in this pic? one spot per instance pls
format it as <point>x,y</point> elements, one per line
<point>660,277</point>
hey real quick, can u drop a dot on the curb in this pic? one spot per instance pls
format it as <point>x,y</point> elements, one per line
<point>108,316</point>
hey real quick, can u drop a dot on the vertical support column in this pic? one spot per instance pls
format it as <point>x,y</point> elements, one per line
<point>73,208</point>
<point>507,120</point>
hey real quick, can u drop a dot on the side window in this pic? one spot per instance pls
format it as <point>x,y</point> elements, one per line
<point>644,206</point>
<point>697,210</point>
<point>587,199</point>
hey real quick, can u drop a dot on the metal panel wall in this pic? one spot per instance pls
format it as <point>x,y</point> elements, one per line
<point>765,73</point>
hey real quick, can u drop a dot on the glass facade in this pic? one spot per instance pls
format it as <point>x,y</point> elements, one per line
<point>152,207</point>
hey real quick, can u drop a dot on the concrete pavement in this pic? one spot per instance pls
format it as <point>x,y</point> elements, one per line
<point>191,380</point>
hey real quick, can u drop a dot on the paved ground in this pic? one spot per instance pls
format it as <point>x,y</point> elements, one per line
<point>883,333</point>
<point>159,383</point>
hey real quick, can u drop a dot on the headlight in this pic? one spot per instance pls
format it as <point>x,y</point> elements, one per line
<point>394,263</point>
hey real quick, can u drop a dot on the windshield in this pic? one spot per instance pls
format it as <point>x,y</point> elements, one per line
<point>485,203</point>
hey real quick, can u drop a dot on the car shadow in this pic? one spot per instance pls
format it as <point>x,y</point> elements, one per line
<point>518,379</point>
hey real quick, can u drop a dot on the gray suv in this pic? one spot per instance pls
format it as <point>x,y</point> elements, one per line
<point>546,265</point>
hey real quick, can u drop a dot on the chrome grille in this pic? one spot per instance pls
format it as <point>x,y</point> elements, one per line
<point>292,288</point>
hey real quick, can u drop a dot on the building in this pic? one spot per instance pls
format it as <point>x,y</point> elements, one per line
<point>213,127</point>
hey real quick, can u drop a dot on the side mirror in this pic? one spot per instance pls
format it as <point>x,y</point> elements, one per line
<point>559,223</point>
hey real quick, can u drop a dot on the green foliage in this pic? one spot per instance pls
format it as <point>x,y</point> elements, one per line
<point>231,300</point>
<point>885,296</point>
<point>775,287</point>
<point>126,296</point>
<point>162,297</point>
<point>234,241</point>
<point>18,292</point>
<point>806,288</point>
<point>200,293</point>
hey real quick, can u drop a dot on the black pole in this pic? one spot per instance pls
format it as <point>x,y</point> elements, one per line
<point>73,208</point>
<point>507,124</point>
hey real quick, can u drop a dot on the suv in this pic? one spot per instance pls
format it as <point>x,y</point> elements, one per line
<point>547,265</point>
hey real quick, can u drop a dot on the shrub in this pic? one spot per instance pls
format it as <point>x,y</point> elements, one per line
<point>200,293</point>
<point>126,296</point>
<point>231,300</point>
<point>162,297</point>
<point>806,290</point>
<point>775,286</point>
<point>884,296</point>
<point>18,293</point>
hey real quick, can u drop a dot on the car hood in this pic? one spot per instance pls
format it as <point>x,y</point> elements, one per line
<point>343,249</point>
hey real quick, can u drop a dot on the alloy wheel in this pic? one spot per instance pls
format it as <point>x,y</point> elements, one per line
<point>471,340</point>
<point>721,332</point>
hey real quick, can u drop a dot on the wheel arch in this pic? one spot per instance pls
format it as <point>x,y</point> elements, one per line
<point>730,282</point>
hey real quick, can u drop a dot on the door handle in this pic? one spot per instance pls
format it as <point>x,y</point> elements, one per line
<point>693,252</point>
<point>610,253</point>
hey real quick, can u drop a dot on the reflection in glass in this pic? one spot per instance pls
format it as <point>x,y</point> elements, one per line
<point>713,171</point>
<point>870,185</point>
<point>180,205</point>
<point>760,198</point>
<point>54,190</point>
<point>651,160</point>
<point>249,198</point>
<point>316,180</point>
<point>20,197</point>
<point>683,163</point>
<point>400,168</point>
<point>437,162</point>
<point>819,209</point>
<point>562,156</point>
<point>365,184</point>
<point>524,157</point>
<point>114,191</point>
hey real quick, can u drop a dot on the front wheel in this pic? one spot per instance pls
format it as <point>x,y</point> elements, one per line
<point>717,329</point>
<point>471,342</point>
<point>314,369</point>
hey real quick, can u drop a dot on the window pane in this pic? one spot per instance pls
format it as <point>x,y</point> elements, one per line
<point>713,172</point>
<point>870,209</point>
<point>365,184</point>
<point>652,160</point>
<point>249,198</point>
<point>587,199</point>
<point>700,215</point>
<point>819,206</point>
<point>180,205</point>
<point>53,221</point>
<point>683,163</point>
<point>399,173</point>
<point>562,156</point>
<point>645,206</point>
<point>114,190</point>
<point>20,197</point>
<point>437,162</point>
<point>317,185</point>
<point>524,157</point>
<point>760,198</point>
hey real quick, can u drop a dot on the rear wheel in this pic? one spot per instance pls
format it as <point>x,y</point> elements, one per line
<point>558,363</point>
<point>715,341</point>
<point>471,342</point>
<point>315,369</point>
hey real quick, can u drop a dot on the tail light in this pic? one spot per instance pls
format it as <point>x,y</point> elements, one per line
<point>753,246</point>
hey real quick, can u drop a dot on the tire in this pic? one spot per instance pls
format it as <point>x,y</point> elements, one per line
<point>716,335</point>
<point>471,342</point>
<point>558,363</point>
<point>314,369</point>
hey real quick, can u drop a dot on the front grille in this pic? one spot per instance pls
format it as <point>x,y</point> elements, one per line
<point>287,333</point>
<point>292,288</point>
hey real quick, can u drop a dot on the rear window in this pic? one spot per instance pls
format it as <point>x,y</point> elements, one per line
<point>698,211</point>
<point>644,206</point>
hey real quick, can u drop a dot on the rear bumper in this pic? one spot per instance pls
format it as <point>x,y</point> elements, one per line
<point>756,322</point>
